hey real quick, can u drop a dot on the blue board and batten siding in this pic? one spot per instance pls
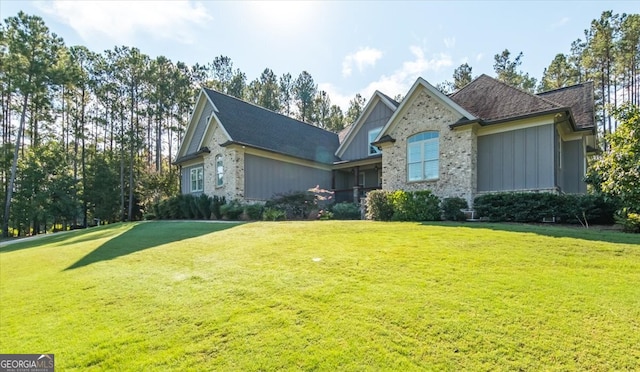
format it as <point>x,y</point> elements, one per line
<point>265,177</point>
<point>522,159</point>
<point>186,179</point>
<point>359,146</point>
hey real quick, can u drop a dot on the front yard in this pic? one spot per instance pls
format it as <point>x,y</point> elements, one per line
<point>326,295</point>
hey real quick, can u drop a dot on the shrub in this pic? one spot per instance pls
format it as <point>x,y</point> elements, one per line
<point>534,207</point>
<point>415,206</point>
<point>296,205</point>
<point>325,215</point>
<point>216,204</point>
<point>346,211</point>
<point>254,211</point>
<point>379,206</point>
<point>203,206</point>
<point>630,221</point>
<point>452,209</point>
<point>273,214</point>
<point>232,210</point>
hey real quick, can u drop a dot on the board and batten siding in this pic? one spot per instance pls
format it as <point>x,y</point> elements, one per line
<point>521,159</point>
<point>359,146</point>
<point>186,179</point>
<point>573,171</point>
<point>198,132</point>
<point>264,177</point>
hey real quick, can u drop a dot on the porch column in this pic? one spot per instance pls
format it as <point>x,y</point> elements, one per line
<point>356,186</point>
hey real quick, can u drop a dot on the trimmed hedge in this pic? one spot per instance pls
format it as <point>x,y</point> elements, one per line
<point>402,205</point>
<point>345,211</point>
<point>534,207</point>
<point>452,209</point>
<point>188,207</point>
<point>295,205</point>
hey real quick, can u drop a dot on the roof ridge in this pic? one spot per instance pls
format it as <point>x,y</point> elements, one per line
<point>527,93</point>
<point>572,86</point>
<point>266,109</point>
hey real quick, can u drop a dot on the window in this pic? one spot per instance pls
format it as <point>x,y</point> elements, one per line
<point>197,179</point>
<point>423,153</point>
<point>219,171</point>
<point>373,133</point>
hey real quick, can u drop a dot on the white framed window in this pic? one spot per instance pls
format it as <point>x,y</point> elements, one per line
<point>361,179</point>
<point>373,133</point>
<point>219,171</point>
<point>197,179</point>
<point>423,156</point>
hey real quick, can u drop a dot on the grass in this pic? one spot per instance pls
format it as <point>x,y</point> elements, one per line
<point>324,296</point>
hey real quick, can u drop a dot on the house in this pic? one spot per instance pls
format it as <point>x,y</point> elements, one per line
<point>486,137</point>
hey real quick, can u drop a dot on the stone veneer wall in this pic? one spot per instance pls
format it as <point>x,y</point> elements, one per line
<point>457,173</point>
<point>233,162</point>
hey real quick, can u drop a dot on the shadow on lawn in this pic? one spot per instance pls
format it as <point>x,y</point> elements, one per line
<point>147,235</point>
<point>554,231</point>
<point>59,238</point>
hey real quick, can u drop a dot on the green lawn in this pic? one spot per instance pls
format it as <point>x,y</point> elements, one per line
<point>324,295</point>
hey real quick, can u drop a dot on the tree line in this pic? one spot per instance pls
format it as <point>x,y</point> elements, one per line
<point>608,54</point>
<point>89,137</point>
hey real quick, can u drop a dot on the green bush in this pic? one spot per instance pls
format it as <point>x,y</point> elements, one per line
<point>188,206</point>
<point>379,206</point>
<point>630,221</point>
<point>254,211</point>
<point>203,206</point>
<point>402,205</point>
<point>452,209</point>
<point>346,211</point>
<point>232,210</point>
<point>216,204</point>
<point>273,214</point>
<point>415,206</point>
<point>534,207</point>
<point>296,205</point>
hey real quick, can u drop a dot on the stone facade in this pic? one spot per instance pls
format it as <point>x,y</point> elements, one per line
<point>233,163</point>
<point>457,161</point>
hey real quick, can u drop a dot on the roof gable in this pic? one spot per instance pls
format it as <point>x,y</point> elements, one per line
<point>349,133</point>
<point>192,142</point>
<point>432,91</point>
<point>579,98</point>
<point>493,100</point>
<point>254,126</point>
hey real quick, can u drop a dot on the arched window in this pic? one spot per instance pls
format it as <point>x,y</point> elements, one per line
<point>219,171</point>
<point>423,153</point>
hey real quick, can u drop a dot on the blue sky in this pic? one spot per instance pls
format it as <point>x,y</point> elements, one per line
<point>348,47</point>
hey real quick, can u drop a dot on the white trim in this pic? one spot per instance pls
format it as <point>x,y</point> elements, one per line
<point>376,151</point>
<point>188,133</point>
<point>196,170</point>
<point>515,125</point>
<point>420,82</point>
<point>357,125</point>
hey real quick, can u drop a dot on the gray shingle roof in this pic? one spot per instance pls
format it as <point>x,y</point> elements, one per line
<point>254,126</point>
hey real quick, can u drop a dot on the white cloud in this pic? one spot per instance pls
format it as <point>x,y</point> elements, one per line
<point>449,42</point>
<point>563,21</point>
<point>479,57</point>
<point>120,21</point>
<point>397,82</point>
<point>362,58</point>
